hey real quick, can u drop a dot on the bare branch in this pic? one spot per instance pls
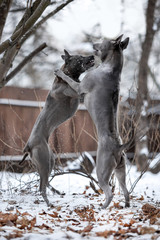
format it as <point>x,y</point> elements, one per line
<point>24,62</point>
<point>30,22</point>
<point>137,180</point>
<point>22,9</point>
<point>153,78</point>
<point>51,14</point>
<point>81,174</point>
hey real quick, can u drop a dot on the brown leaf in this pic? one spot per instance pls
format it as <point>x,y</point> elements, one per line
<point>25,223</point>
<point>153,220</point>
<point>86,214</point>
<point>106,233</point>
<point>5,217</point>
<point>43,213</point>
<point>147,230</point>
<point>116,205</point>
<point>88,228</point>
<point>141,198</point>
<point>33,222</point>
<point>15,234</point>
<point>45,226</point>
<point>148,208</point>
<point>26,214</point>
<point>54,214</point>
<point>72,230</point>
<point>76,222</point>
<point>133,230</point>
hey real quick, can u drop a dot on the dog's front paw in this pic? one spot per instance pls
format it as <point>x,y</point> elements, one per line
<point>58,72</point>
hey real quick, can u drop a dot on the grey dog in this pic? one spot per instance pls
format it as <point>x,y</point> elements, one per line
<point>61,104</point>
<point>101,92</point>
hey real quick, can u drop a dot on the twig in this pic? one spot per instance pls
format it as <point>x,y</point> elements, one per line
<point>79,173</point>
<point>44,19</point>
<point>16,149</point>
<point>137,180</point>
<point>25,61</point>
<point>29,23</point>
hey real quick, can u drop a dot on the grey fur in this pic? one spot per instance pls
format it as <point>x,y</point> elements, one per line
<point>61,104</point>
<point>101,92</point>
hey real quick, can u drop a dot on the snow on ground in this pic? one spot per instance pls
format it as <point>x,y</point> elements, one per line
<point>78,214</point>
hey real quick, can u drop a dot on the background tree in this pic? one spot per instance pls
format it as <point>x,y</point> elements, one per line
<point>143,98</point>
<point>31,20</point>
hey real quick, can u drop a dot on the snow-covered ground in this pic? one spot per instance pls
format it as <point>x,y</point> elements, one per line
<point>78,214</point>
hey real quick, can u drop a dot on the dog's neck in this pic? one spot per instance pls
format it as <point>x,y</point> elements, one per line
<point>114,61</point>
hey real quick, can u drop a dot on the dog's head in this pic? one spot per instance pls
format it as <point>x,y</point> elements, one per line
<point>108,46</point>
<point>75,65</point>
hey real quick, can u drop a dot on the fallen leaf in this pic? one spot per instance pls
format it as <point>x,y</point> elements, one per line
<point>147,230</point>
<point>26,214</point>
<point>15,234</point>
<point>106,233</point>
<point>72,230</point>
<point>86,214</point>
<point>54,214</point>
<point>116,205</point>
<point>148,208</point>
<point>141,198</point>
<point>88,228</point>
<point>153,220</point>
<point>5,217</point>
<point>43,213</point>
<point>45,226</point>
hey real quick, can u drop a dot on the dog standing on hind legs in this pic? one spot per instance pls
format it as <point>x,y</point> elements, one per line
<point>101,92</point>
<point>61,104</point>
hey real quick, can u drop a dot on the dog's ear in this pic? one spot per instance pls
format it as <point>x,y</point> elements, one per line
<point>118,40</point>
<point>66,56</point>
<point>124,43</point>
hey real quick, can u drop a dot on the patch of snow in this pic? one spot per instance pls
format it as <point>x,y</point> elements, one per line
<point>144,108</point>
<point>144,151</point>
<point>155,161</point>
<point>144,138</point>
<point>19,193</point>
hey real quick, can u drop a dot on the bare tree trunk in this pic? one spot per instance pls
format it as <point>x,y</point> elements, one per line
<point>4,8</point>
<point>142,99</point>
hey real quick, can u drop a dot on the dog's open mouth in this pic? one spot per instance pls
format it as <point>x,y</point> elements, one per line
<point>90,62</point>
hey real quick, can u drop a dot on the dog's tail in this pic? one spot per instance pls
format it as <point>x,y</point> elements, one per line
<point>26,153</point>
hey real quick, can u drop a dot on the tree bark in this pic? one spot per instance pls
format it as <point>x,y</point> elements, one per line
<point>142,99</point>
<point>4,9</point>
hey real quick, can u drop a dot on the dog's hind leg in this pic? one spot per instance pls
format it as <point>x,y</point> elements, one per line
<point>120,173</point>
<point>105,166</point>
<point>41,158</point>
<point>43,185</point>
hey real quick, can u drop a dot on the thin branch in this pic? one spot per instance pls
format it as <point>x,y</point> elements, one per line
<point>153,78</point>
<point>29,23</point>
<point>75,172</point>
<point>22,9</point>
<point>24,62</point>
<point>44,19</point>
<point>137,180</point>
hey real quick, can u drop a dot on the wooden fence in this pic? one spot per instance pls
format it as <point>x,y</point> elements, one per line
<point>19,109</point>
